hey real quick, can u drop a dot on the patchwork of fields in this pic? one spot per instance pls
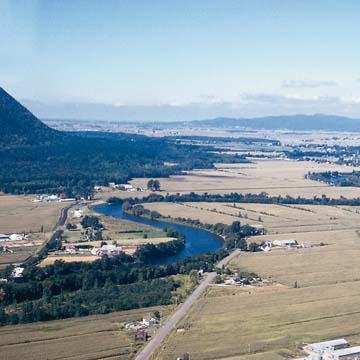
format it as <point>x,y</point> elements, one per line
<point>276,177</point>
<point>276,219</point>
<point>271,322</point>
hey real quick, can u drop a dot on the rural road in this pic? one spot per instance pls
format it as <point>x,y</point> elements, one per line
<point>165,330</point>
<point>57,232</point>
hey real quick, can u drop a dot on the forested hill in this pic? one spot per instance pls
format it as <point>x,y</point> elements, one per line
<point>37,159</point>
<point>291,122</point>
<point>18,126</point>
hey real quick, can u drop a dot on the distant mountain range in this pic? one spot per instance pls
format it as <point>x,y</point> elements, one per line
<point>291,123</point>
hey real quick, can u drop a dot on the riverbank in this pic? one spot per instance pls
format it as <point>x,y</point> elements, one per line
<point>198,241</point>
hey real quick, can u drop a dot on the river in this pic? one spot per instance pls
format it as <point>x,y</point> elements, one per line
<point>196,241</point>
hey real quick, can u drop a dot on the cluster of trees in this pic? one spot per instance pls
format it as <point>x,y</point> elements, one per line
<point>337,178</point>
<point>90,221</point>
<point>149,253</point>
<point>153,185</point>
<point>262,198</point>
<point>93,301</point>
<point>71,226</point>
<point>77,289</point>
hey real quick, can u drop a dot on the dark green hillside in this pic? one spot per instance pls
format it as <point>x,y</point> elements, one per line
<point>37,159</point>
<point>18,126</point>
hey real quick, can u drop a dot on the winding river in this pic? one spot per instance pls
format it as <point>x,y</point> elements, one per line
<point>197,241</point>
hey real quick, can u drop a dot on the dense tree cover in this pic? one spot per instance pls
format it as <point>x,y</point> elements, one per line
<point>76,289</point>
<point>18,126</point>
<point>74,163</point>
<point>337,178</point>
<point>262,198</point>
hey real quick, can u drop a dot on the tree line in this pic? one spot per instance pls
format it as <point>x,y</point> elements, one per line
<point>261,198</point>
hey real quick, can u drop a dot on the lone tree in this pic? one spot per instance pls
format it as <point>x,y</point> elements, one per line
<point>153,185</point>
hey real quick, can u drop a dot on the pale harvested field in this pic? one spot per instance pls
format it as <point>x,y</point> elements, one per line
<point>276,219</point>
<point>92,337</point>
<point>337,261</point>
<point>232,322</point>
<point>20,214</point>
<point>68,258</point>
<point>276,177</point>
<point>276,319</point>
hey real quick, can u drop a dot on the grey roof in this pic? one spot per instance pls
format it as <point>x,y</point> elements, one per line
<point>346,352</point>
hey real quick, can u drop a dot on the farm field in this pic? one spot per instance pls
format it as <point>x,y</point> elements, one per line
<point>19,214</point>
<point>20,250</point>
<point>91,337</point>
<point>276,177</point>
<point>272,321</point>
<point>276,219</point>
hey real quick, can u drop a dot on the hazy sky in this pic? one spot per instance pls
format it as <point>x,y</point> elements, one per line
<point>181,59</point>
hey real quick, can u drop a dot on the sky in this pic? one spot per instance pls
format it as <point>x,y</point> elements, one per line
<point>180,59</point>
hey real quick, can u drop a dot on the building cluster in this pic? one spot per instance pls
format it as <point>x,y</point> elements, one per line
<point>140,327</point>
<point>284,244</point>
<point>125,187</point>
<point>338,349</point>
<point>238,280</point>
<point>53,198</point>
<point>108,250</point>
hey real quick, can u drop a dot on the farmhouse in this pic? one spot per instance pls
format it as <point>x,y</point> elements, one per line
<point>148,320</point>
<point>17,237</point>
<point>109,250</point>
<point>17,272</point>
<point>78,213</point>
<point>285,243</point>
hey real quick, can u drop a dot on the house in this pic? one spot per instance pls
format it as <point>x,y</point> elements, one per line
<point>77,213</point>
<point>285,243</point>
<point>109,250</point>
<point>126,187</point>
<point>148,320</point>
<point>17,272</point>
<point>266,246</point>
<point>70,249</point>
<point>17,237</point>
<point>142,335</point>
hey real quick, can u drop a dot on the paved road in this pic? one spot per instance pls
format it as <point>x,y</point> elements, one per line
<point>165,330</point>
<point>57,232</point>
